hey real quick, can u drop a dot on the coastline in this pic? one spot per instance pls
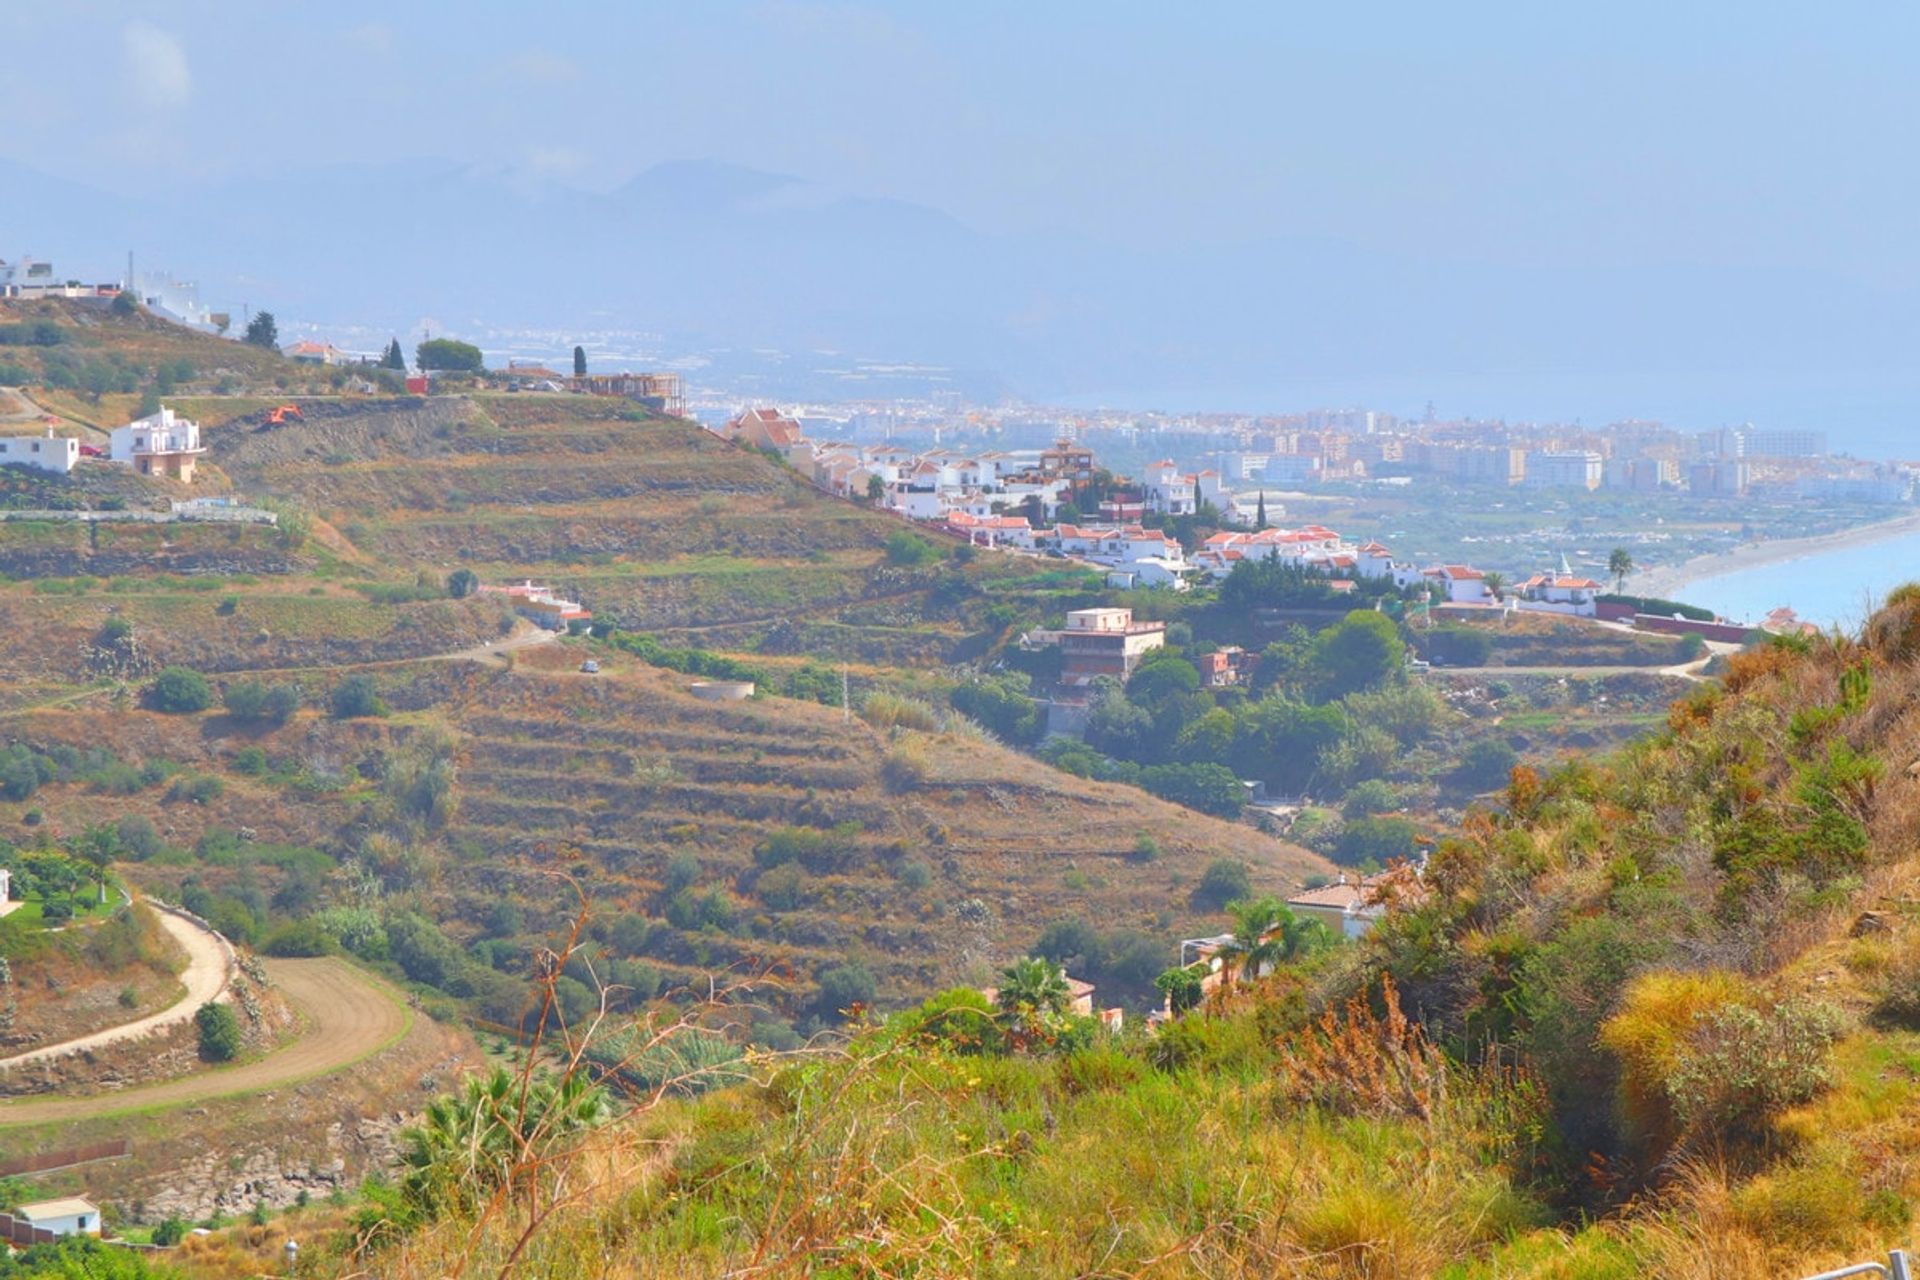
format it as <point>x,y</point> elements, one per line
<point>1666,581</point>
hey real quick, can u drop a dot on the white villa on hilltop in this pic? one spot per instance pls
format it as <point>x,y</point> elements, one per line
<point>160,444</point>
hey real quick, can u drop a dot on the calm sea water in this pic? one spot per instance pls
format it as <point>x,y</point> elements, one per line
<point>1833,587</point>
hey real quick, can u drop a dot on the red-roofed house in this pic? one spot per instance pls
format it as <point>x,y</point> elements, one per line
<point>1463,585</point>
<point>765,429</point>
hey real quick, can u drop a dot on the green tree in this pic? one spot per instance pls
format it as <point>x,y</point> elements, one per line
<point>1361,651</point>
<point>263,331</point>
<point>394,358</point>
<point>125,304</point>
<point>1183,987</point>
<point>579,362</point>
<point>1619,564</point>
<point>450,356</point>
<point>180,691</point>
<point>219,1033</point>
<point>462,583</point>
<point>1375,840</point>
<point>1495,580</point>
<point>1260,511</point>
<point>876,488</point>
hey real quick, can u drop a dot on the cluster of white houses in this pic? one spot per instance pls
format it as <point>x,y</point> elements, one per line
<point>1007,500</point>
<point>160,444</point>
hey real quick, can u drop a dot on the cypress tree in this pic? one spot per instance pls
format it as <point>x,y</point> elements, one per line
<point>579,362</point>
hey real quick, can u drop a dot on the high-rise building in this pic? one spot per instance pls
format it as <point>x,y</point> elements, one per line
<point>1574,469</point>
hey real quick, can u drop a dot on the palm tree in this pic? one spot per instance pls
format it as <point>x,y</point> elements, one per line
<point>1033,994</point>
<point>1619,564</point>
<point>99,845</point>
<point>1266,933</point>
<point>493,1133</point>
<point>1494,580</point>
<point>1033,986</point>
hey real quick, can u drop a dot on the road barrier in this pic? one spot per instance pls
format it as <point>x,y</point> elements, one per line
<point>1894,1268</point>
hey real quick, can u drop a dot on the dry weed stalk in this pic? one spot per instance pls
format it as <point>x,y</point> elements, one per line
<point>1356,1062</point>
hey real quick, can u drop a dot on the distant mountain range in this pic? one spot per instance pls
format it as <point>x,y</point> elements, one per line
<point>716,256</point>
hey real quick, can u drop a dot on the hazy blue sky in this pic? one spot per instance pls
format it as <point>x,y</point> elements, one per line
<point>1710,133</point>
<point>1702,210</point>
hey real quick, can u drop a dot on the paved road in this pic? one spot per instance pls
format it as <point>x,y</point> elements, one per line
<point>209,967</point>
<point>349,1016</point>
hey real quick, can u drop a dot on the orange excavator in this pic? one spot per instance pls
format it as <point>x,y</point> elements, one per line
<point>284,414</point>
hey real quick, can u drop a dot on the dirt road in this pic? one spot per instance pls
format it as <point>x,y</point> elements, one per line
<point>209,966</point>
<point>349,1016</point>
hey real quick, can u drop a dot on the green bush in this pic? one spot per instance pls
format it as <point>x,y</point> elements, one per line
<point>1380,840</point>
<point>180,691</point>
<point>1225,880</point>
<point>220,1039</point>
<point>910,550</point>
<point>355,697</point>
<point>844,986</point>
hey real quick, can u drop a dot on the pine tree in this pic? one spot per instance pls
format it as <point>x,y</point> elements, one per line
<point>579,362</point>
<point>395,358</point>
<point>262,331</point>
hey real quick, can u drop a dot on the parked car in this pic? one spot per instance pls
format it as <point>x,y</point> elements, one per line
<point>591,667</point>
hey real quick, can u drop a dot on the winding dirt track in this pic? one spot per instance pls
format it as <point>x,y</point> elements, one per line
<point>209,966</point>
<point>349,1016</point>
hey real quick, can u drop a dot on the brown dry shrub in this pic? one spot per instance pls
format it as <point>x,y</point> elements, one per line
<point>1750,666</point>
<point>1894,631</point>
<point>1358,1062</point>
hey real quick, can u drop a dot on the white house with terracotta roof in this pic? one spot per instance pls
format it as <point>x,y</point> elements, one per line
<point>1463,584</point>
<point>1352,905</point>
<point>1560,593</point>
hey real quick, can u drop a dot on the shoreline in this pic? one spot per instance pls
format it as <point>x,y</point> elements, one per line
<point>1667,581</point>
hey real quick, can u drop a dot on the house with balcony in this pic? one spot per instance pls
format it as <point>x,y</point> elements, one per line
<point>160,444</point>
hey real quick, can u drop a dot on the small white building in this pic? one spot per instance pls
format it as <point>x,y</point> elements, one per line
<point>1463,584</point>
<point>160,444</point>
<point>43,453</point>
<point>73,1216</point>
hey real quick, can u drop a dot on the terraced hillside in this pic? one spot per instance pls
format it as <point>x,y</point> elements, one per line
<point>656,523</point>
<point>792,836</point>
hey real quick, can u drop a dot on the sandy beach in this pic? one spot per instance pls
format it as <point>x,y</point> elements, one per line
<point>1667,580</point>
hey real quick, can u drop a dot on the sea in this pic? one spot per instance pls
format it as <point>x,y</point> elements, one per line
<point>1828,588</point>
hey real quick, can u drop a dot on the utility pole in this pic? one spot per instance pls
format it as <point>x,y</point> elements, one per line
<point>846,703</point>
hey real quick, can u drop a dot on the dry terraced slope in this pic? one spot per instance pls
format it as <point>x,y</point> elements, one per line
<point>608,778</point>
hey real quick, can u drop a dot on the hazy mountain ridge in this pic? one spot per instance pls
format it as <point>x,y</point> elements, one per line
<point>713,254</point>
